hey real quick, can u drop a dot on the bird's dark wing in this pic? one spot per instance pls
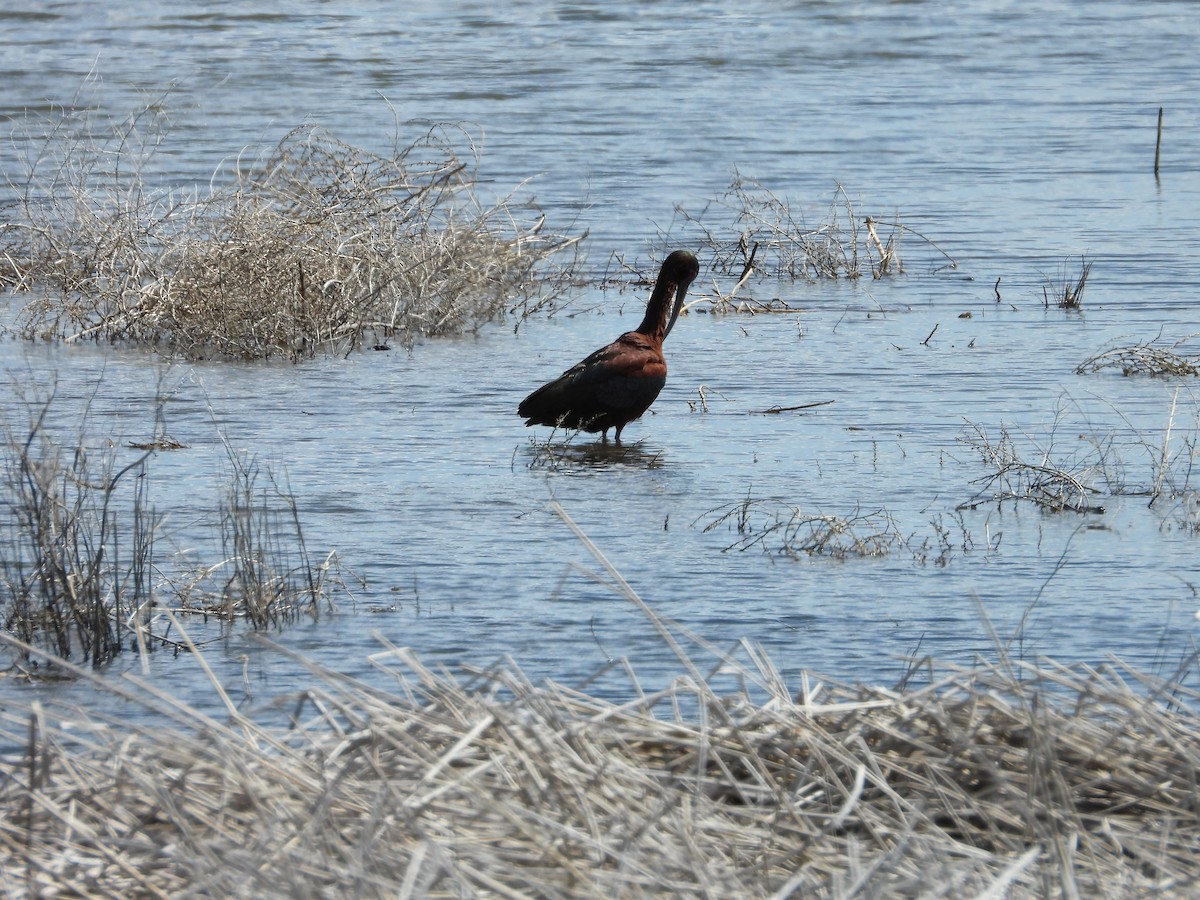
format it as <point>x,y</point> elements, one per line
<point>625,376</point>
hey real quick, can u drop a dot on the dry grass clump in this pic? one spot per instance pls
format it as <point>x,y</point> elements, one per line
<point>77,547</point>
<point>1158,464</point>
<point>316,248</point>
<point>1000,780</point>
<point>266,575</point>
<point>767,237</point>
<point>774,240</point>
<point>81,571</point>
<point>1067,292</point>
<point>1148,358</point>
<point>777,527</point>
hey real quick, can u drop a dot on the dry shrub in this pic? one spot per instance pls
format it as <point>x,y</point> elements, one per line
<point>316,248</point>
<point>1148,358</point>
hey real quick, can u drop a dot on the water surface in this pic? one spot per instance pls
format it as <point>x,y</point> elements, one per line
<point>1019,138</point>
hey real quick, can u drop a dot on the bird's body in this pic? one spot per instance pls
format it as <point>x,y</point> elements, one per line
<point>617,383</point>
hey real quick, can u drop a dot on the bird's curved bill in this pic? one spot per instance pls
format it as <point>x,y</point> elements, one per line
<point>680,293</point>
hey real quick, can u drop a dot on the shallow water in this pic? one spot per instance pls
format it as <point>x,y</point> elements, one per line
<point>1017,138</point>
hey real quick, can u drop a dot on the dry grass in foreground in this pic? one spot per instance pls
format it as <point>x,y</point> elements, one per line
<point>1004,780</point>
<point>996,781</point>
<point>316,248</point>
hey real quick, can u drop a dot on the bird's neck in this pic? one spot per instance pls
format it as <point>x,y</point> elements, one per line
<point>658,310</point>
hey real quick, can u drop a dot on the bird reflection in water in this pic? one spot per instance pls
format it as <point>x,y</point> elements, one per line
<point>593,455</point>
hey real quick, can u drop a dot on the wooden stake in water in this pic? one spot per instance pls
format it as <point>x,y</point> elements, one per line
<point>1158,142</point>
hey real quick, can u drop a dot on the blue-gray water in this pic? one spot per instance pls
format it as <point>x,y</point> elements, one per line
<point>1017,137</point>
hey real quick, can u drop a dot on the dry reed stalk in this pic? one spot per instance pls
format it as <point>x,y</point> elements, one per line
<point>78,538</point>
<point>315,249</point>
<point>1158,141</point>
<point>81,575</point>
<point>887,254</point>
<point>266,576</point>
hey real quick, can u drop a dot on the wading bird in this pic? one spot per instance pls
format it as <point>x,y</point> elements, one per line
<point>617,383</point>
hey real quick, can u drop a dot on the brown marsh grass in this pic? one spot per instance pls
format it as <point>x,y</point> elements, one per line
<point>316,247</point>
<point>1005,779</point>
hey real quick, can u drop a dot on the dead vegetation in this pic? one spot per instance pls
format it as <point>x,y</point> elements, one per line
<point>1066,292</point>
<point>768,237</point>
<point>83,573</point>
<point>1151,358</point>
<point>752,231</point>
<point>1041,481</point>
<point>1156,463</point>
<point>777,527</point>
<point>266,576</point>
<point>1003,779</point>
<point>73,540</point>
<point>315,248</point>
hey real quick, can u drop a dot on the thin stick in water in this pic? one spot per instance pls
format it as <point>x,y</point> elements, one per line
<point>1158,142</point>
